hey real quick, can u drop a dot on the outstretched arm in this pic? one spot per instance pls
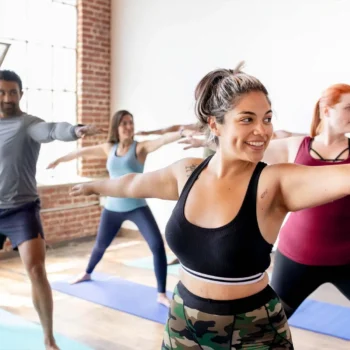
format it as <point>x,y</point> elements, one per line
<point>168,129</point>
<point>160,184</point>
<point>44,132</point>
<point>85,152</point>
<point>304,187</point>
<point>194,142</point>
<point>281,134</point>
<point>273,153</point>
<point>150,146</point>
<point>282,150</point>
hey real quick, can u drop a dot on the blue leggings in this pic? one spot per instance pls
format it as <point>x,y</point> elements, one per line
<point>143,218</point>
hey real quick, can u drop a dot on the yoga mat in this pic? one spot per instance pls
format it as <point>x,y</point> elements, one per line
<point>16,333</point>
<point>119,294</point>
<point>147,263</point>
<point>324,318</point>
<point>140,300</point>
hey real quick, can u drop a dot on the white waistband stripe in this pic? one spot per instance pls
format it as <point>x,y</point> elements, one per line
<point>224,280</point>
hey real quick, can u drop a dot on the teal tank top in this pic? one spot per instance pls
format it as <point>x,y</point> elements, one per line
<point>119,166</point>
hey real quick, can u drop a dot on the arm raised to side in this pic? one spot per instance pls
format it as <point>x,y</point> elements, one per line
<point>162,184</point>
<point>97,151</point>
<point>302,187</point>
<point>166,183</point>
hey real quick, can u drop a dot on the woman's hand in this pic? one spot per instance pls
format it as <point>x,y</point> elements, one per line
<point>82,190</point>
<point>193,142</point>
<point>53,164</point>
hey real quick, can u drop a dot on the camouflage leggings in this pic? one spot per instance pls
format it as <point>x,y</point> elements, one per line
<point>188,328</point>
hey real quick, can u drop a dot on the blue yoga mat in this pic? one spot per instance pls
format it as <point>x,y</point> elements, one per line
<point>119,294</point>
<point>18,334</point>
<point>140,300</point>
<point>147,263</point>
<point>324,318</point>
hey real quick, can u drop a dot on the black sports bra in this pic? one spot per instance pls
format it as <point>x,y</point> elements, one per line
<point>235,253</point>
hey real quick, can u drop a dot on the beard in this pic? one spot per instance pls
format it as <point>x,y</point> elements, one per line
<point>8,109</point>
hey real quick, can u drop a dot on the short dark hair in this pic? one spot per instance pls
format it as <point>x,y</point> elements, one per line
<point>9,75</point>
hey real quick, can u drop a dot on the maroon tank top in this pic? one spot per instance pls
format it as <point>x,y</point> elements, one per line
<point>320,235</point>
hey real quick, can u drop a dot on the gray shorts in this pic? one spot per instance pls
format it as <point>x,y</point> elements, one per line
<point>21,224</point>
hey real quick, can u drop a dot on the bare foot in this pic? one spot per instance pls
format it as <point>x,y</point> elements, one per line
<point>163,299</point>
<point>81,278</point>
<point>51,345</point>
<point>174,261</point>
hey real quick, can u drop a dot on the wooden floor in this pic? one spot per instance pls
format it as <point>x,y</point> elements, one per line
<point>106,329</point>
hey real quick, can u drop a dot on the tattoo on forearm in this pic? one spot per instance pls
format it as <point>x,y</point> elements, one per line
<point>264,194</point>
<point>190,169</point>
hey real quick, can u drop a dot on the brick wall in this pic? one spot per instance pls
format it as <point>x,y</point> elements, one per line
<point>93,74</point>
<point>65,218</point>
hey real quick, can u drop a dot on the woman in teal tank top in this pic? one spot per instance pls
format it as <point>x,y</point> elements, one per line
<point>125,155</point>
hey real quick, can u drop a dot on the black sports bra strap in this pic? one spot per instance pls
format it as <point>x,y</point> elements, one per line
<point>250,199</point>
<point>330,160</point>
<point>311,149</point>
<point>317,154</point>
<point>342,152</point>
<point>193,177</point>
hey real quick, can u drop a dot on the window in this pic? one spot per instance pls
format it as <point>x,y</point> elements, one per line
<point>43,35</point>
<point>3,51</point>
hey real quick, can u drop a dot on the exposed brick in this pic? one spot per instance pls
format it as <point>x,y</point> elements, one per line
<point>93,72</point>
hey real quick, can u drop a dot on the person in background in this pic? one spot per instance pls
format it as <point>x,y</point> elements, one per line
<point>21,137</point>
<point>124,156</point>
<point>314,244</point>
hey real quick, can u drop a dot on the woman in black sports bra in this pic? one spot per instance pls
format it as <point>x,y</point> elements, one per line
<point>229,210</point>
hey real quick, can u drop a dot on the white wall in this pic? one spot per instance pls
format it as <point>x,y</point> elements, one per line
<point>162,48</point>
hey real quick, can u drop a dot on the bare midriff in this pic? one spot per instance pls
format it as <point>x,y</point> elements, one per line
<point>215,291</point>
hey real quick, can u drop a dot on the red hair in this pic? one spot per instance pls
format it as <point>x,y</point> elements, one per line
<point>330,97</point>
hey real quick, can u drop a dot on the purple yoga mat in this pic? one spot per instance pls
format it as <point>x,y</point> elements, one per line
<point>139,300</point>
<point>325,318</point>
<point>119,294</point>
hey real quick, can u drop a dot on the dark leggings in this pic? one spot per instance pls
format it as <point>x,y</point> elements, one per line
<point>143,218</point>
<point>294,282</point>
<point>2,241</point>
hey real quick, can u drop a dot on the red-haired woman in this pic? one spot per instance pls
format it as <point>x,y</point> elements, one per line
<point>314,244</point>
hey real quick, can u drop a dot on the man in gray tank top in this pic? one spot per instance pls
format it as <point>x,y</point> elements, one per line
<point>21,136</point>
